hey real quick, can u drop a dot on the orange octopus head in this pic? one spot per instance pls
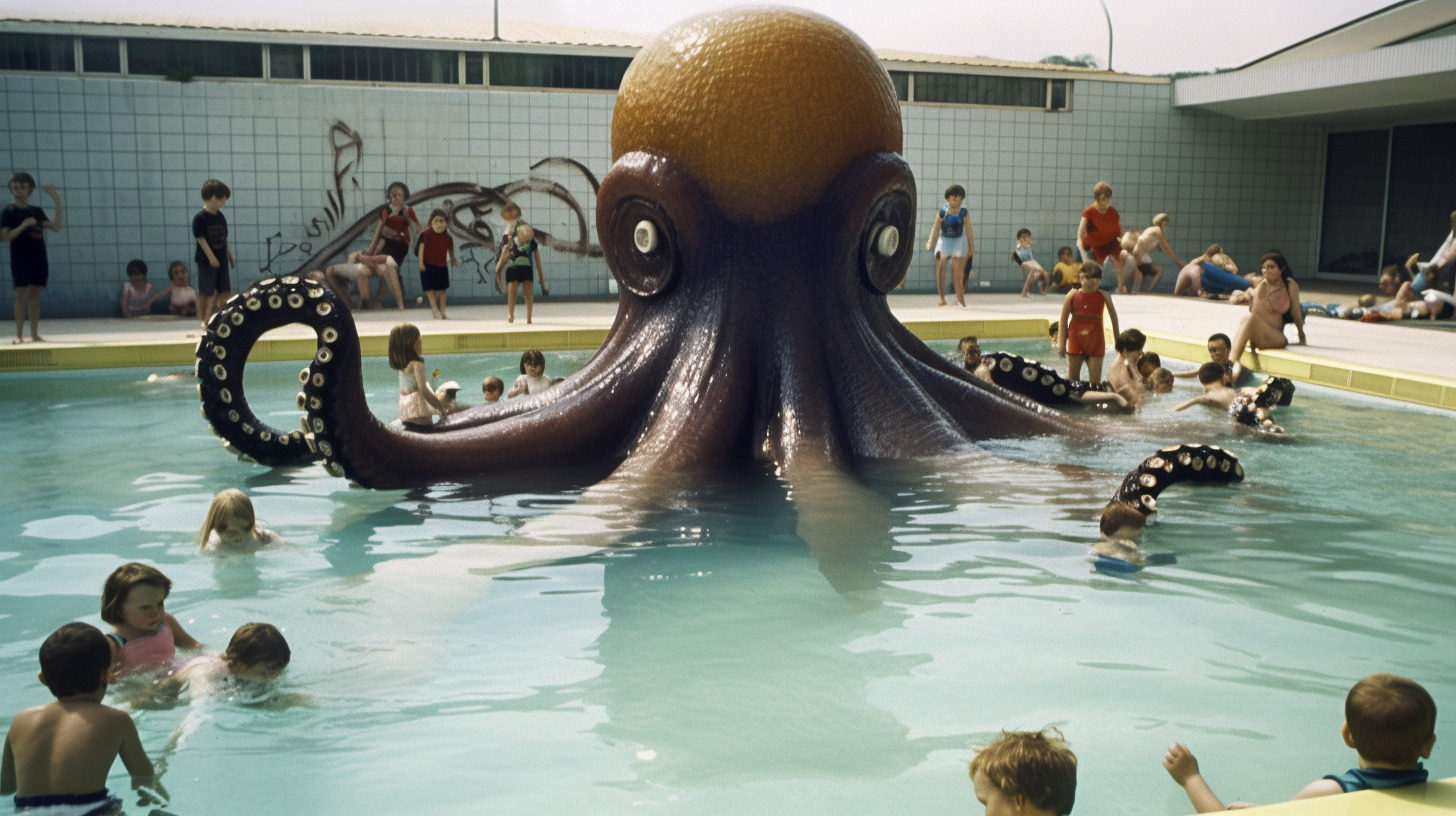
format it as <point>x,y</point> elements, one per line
<point>763,106</point>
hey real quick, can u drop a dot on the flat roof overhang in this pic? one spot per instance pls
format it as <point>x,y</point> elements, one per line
<point>1409,83</point>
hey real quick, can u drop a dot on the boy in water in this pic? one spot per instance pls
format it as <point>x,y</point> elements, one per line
<point>1216,390</point>
<point>971,359</point>
<point>59,754</point>
<point>1126,380</point>
<point>1390,721</point>
<point>492,388</point>
<point>1026,773</point>
<point>23,227</point>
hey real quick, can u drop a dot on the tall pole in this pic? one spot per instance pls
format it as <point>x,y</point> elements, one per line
<point>495,28</point>
<point>1109,33</point>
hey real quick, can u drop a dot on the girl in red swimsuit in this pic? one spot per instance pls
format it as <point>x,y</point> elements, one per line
<point>1079,337</point>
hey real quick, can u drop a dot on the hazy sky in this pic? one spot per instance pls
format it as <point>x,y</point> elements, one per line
<point>1150,36</point>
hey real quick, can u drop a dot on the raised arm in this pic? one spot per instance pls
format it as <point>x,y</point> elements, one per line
<point>1183,767</point>
<point>54,225</point>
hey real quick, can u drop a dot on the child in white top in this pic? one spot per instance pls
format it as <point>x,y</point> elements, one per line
<point>417,401</point>
<point>231,525</point>
<point>533,379</point>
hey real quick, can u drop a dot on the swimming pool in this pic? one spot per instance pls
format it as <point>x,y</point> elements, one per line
<point>715,668</point>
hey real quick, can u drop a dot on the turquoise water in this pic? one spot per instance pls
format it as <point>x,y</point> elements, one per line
<point>714,668</point>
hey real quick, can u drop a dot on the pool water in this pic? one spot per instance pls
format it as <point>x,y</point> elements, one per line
<point>443,663</point>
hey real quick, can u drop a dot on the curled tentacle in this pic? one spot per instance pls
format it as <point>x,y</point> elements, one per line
<point>222,354</point>
<point>1252,406</point>
<point>1174,464</point>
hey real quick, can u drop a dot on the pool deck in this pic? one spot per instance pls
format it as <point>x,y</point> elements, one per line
<point>1406,362</point>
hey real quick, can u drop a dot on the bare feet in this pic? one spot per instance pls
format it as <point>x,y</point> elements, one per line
<point>510,318</point>
<point>17,341</point>
<point>941,303</point>
<point>961,302</point>
<point>35,338</point>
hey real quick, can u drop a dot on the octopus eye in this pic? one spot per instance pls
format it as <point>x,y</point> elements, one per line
<point>651,264</point>
<point>884,256</point>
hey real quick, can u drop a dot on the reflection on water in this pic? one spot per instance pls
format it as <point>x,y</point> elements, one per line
<point>748,645</point>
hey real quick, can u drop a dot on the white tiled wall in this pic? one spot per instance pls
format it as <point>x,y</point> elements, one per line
<point>129,157</point>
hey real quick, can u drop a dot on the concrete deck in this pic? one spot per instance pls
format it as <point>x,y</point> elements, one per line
<point>1401,361</point>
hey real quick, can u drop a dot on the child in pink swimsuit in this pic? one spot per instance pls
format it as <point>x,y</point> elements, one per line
<point>145,638</point>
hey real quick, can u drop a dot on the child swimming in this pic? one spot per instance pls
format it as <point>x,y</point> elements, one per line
<point>257,652</point>
<point>144,637</point>
<point>231,525</point>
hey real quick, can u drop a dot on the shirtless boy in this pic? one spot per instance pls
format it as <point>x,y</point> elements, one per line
<point>1138,260</point>
<point>1216,390</point>
<point>59,754</point>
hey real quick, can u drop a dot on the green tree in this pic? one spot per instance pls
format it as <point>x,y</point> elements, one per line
<point>1079,61</point>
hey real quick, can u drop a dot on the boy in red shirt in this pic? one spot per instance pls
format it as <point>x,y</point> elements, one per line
<point>435,250</point>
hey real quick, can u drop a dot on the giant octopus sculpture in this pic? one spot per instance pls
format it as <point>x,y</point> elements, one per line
<point>756,214</point>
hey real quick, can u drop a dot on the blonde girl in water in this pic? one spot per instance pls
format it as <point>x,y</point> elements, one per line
<point>231,525</point>
<point>418,403</point>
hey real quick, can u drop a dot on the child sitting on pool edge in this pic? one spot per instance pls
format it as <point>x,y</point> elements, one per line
<point>1390,721</point>
<point>1029,773</point>
<point>58,755</point>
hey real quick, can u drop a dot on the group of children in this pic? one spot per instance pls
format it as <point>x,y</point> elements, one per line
<point>1390,721</point>
<point>57,756</point>
<point>1099,235</point>
<point>518,255</point>
<point>420,403</point>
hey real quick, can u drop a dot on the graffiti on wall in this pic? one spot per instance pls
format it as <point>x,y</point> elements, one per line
<point>468,207</point>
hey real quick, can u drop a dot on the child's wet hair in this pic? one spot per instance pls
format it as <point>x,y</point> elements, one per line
<point>402,339</point>
<point>955,190</point>
<point>1130,340</point>
<point>226,504</point>
<point>213,188</point>
<point>73,660</point>
<point>1120,515</point>
<point>1151,359</point>
<point>1036,766</point>
<point>1211,373</point>
<point>121,582</point>
<point>490,384</point>
<point>1392,719</point>
<point>1161,380</point>
<point>532,357</point>
<point>23,178</point>
<point>136,266</point>
<point>258,645</point>
<point>1213,249</point>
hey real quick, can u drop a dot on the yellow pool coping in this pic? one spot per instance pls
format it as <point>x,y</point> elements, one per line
<point>1413,800</point>
<point>1435,392</point>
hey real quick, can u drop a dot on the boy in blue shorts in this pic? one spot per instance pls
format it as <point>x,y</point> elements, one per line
<point>214,256</point>
<point>23,228</point>
<point>57,756</point>
<point>1390,721</point>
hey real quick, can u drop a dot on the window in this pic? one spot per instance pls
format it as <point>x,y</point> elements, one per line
<point>901,81</point>
<point>37,52</point>
<point>474,69</point>
<point>184,59</point>
<point>285,61</point>
<point>970,89</point>
<point>1061,95</point>
<point>100,55</point>
<point>557,71</point>
<point>359,64</point>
